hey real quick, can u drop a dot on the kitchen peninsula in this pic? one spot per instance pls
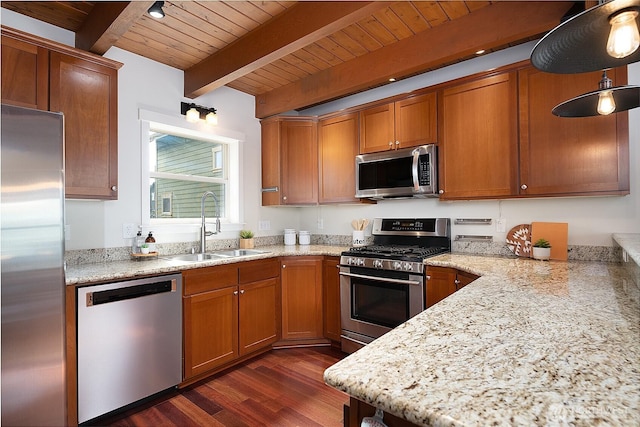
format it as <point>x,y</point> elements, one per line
<point>528,343</point>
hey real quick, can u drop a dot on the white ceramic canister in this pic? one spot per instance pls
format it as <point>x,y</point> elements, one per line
<point>304,238</point>
<point>289,236</point>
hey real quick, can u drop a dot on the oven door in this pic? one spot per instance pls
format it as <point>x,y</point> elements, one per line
<point>375,301</point>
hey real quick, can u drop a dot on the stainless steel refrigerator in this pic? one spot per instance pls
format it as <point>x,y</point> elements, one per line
<point>32,270</point>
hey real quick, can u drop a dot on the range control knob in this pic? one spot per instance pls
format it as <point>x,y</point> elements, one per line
<point>377,263</point>
<point>360,262</point>
<point>408,266</point>
<point>397,265</point>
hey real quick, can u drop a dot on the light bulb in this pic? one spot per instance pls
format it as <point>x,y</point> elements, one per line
<point>193,115</point>
<point>212,118</point>
<point>624,38</point>
<point>606,104</point>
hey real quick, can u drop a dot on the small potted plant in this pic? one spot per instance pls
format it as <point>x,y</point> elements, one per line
<point>144,248</point>
<point>246,239</point>
<point>542,249</point>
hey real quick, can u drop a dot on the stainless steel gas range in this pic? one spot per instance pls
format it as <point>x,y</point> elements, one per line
<point>382,284</point>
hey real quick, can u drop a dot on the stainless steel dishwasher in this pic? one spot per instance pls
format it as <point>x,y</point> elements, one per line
<point>129,342</point>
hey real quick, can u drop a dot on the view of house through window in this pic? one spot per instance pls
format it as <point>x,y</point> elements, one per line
<point>181,169</point>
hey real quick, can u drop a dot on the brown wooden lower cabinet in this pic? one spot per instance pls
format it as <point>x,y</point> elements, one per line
<point>443,281</point>
<point>229,311</point>
<point>357,410</point>
<point>301,279</point>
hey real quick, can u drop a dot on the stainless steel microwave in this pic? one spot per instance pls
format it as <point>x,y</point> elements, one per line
<point>408,172</point>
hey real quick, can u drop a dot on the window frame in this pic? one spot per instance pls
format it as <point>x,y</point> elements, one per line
<point>162,122</point>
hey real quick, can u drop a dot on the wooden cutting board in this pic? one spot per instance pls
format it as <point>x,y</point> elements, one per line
<point>556,233</point>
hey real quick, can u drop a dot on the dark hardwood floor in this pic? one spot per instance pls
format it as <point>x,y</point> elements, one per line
<point>280,388</point>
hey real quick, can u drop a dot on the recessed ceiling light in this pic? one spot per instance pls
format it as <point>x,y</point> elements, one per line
<point>156,10</point>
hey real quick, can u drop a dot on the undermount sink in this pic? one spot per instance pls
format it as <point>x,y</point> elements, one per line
<point>226,254</point>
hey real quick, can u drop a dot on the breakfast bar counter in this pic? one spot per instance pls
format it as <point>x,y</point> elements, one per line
<point>528,343</point>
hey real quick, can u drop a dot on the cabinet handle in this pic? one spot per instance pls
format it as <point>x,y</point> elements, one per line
<point>241,291</point>
<point>390,145</point>
<point>440,191</point>
<point>284,266</point>
<point>397,144</point>
<point>114,188</point>
<point>284,198</point>
<point>524,186</point>
<point>428,277</point>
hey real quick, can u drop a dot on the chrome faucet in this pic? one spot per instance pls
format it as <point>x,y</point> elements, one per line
<point>203,231</point>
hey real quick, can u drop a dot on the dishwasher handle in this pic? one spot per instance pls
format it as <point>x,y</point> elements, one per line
<point>137,291</point>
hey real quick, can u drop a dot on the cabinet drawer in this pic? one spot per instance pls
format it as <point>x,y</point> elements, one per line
<point>252,271</point>
<point>209,278</point>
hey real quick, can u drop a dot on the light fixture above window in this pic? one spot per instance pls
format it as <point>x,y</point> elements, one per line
<point>155,11</point>
<point>194,113</point>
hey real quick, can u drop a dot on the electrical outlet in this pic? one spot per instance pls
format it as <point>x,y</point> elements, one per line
<point>320,223</point>
<point>501,225</point>
<point>264,225</point>
<point>128,231</point>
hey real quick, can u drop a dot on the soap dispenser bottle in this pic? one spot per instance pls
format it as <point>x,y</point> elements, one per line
<point>151,241</point>
<point>137,243</point>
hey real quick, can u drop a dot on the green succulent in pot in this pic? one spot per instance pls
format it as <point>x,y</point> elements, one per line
<point>542,243</point>
<point>246,234</point>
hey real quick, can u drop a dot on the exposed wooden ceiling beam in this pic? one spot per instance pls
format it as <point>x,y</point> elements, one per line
<point>107,22</point>
<point>299,26</point>
<point>489,27</point>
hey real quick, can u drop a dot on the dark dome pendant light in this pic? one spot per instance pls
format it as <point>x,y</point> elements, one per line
<point>587,42</point>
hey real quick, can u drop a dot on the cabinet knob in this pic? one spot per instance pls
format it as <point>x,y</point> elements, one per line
<point>284,198</point>
<point>390,144</point>
<point>457,282</point>
<point>241,291</point>
<point>235,292</point>
<point>524,186</point>
<point>284,266</point>
<point>397,144</point>
<point>428,277</point>
<point>440,191</point>
<point>114,188</point>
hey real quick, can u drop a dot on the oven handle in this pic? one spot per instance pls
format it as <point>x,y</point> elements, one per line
<point>382,279</point>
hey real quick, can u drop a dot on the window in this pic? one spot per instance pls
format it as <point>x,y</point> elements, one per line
<point>183,162</point>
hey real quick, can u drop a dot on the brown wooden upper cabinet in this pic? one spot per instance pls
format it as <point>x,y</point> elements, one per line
<point>405,123</point>
<point>570,156</point>
<point>478,126</point>
<point>42,74</point>
<point>337,149</point>
<point>499,139</point>
<point>289,161</point>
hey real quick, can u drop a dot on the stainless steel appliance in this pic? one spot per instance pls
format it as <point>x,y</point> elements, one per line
<point>33,281</point>
<point>408,172</point>
<point>129,342</point>
<point>382,285</point>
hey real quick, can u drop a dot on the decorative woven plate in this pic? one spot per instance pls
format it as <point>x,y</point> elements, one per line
<point>519,240</point>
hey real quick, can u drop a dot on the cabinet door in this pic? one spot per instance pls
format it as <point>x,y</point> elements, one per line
<point>338,148</point>
<point>210,330</point>
<point>299,167</point>
<point>331,298</point>
<point>479,139</point>
<point>87,94</point>
<point>440,284</point>
<point>258,313</point>
<point>25,74</point>
<point>377,129</point>
<point>415,120</point>
<point>583,155</point>
<point>301,280</point>
<point>270,163</point>
<point>463,279</point>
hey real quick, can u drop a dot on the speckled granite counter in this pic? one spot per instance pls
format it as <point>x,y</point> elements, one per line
<point>119,270</point>
<point>631,245</point>
<point>528,343</point>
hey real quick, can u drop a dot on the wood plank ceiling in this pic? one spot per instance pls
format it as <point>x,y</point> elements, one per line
<point>291,55</point>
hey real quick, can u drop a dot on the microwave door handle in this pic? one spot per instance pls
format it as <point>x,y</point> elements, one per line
<point>414,169</point>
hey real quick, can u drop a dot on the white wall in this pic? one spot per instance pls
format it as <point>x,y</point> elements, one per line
<point>147,84</point>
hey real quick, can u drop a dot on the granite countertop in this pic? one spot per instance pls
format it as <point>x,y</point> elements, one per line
<point>528,343</point>
<point>120,270</point>
<point>630,243</point>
